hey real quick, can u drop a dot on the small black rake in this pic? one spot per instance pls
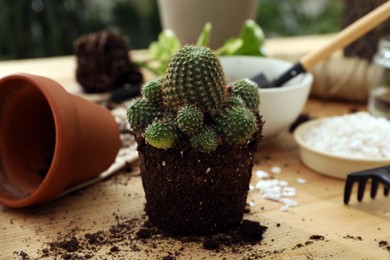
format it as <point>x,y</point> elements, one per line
<point>376,175</point>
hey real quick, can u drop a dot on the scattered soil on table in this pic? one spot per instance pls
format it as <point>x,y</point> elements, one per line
<point>384,245</point>
<point>317,237</point>
<point>311,240</point>
<point>138,235</point>
<point>357,238</point>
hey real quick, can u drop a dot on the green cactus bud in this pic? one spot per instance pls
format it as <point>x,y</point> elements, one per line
<point>195,76</point>
<point>189,119</point>
<point>248,91</point>
<point>236,125</point>
<point>234,101</point>
<point>205,140</point>
<point>152,90</point>
<point>140,113</point>
<point>162,133</point>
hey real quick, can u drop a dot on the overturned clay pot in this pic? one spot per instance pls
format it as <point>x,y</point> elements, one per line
<point>49,140</point>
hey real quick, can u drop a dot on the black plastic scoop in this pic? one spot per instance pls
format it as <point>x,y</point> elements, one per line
<point>345,37</point>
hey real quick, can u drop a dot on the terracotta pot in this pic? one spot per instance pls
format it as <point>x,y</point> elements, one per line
<point>187,18</point>
<point>49,140</point>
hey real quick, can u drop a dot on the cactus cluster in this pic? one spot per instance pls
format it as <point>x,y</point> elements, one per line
<point>193,101</point>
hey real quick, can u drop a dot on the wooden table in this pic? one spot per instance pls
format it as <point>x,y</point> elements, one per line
<point>320,227</point>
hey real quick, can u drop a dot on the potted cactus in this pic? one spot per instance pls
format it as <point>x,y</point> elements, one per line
<point>196,138</point>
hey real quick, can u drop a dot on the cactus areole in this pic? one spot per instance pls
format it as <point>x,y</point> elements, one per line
<point>194,92</point>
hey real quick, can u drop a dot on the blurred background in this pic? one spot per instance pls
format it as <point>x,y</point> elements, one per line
<point>43,28</point>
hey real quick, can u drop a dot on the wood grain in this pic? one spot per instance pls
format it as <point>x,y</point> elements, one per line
<point>350,232</point>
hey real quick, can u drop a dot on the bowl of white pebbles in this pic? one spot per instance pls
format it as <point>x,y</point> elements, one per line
<point>338,145</point>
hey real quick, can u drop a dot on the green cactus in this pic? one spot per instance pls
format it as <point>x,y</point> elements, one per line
<point>206,140</point>
<point>189,119</point>
<point>195,76</point>
<point>162,133</point>
<point>140,113</point>
<point>193,102</point>
<point>234,101</point>
<point>152,90</point>
<point>248,91</point>
<point>236,125</point>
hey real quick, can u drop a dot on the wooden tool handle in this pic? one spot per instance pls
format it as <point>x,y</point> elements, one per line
<point>348,35</point>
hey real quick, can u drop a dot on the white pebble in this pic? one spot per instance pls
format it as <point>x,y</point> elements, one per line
<point>283,183</point>
<point>261,174</point>
<point>284,208</point>
<point>274,190</point>
<point>163,163</point>
<point>289,202</point>
<point>288,192</point>
<point>270,196</point>
<point>208,170</point>
<point>265,184</point>
<point>276,170</point>
<point>251,204</point>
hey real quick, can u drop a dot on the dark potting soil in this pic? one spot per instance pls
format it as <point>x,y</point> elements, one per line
<point>207,196</point>
<point>103,63</point>
<point>202,193</point>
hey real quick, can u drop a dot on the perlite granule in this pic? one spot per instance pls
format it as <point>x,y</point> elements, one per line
<point>358,135</point>
<point>273,189</point>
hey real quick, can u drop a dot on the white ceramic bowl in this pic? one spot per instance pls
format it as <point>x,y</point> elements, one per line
<point>330,164</point>
<point>281,106</point>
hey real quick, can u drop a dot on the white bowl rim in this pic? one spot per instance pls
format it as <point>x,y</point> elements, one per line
<point>305,126</point>
<point>307,76</point>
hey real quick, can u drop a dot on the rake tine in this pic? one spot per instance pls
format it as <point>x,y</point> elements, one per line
<point>361,188</point>
<point>374,188</point>
<point>348,189</point>
<point>384,177</point>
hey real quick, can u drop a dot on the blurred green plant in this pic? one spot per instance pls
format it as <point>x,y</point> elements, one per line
<point>249,42</point>
<point>299,17</point>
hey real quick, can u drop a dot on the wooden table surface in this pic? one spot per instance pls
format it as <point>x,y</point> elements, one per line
<point>113,211</point>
